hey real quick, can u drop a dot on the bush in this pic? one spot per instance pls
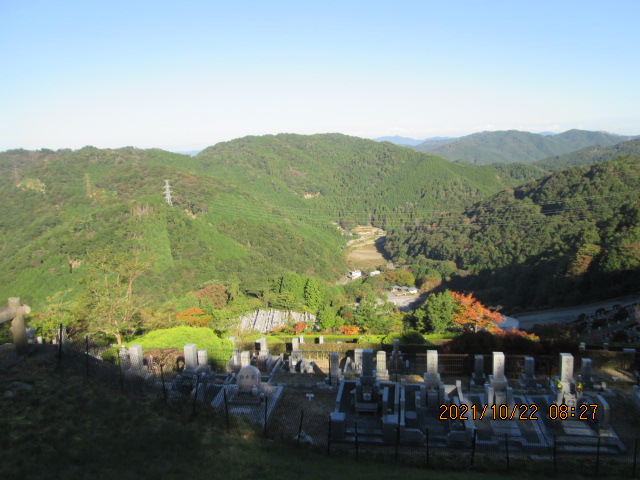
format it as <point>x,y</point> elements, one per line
<point>178,337</point>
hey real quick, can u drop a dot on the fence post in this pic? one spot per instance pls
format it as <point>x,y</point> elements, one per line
<point>426,432</point>
<point>635,459</point>
<point>164,389</point>
<point>226,406</point>
<point>506,445</point>
<point>266,407</point>
<point>356,432</point>
<point>300,426</point>
<point>555,454</point>
<point>473,447</point>
<point>329,438</point>
<point>60,344</point>
<point>195,395</point>
<point>397,442</point>
<point>86,354</point>
<point>598,456</point>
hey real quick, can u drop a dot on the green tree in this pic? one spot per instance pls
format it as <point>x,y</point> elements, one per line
<point>439,310</point>
<point>314,292</point>
<point>111,302</point>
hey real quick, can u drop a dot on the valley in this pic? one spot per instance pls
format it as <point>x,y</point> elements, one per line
<point>366,252</point>
<point>242,232</point>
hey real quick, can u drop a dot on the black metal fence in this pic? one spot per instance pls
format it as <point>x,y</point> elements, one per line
<point>294,423</point>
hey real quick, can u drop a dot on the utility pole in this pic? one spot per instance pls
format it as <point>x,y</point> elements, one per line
<point>167,192</point>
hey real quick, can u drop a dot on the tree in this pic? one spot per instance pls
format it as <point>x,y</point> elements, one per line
<point>57,311</point>
<point>439,310</point>
<point>314,293</point>
<point>471,315</point>
<point>111,303</point>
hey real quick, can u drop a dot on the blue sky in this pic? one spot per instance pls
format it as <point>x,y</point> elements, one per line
<point>185,75</point>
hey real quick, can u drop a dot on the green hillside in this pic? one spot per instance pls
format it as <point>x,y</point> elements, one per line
<point>589,155</point>
<point>244,212</point>
<point>570,236</point>
<point>515,146</point>
<point>61,207</point>
<point>335,177</point>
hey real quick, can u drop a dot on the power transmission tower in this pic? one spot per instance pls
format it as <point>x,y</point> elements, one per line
<point>167,192</point>
<point>16,176</point>
<point>87,185</point>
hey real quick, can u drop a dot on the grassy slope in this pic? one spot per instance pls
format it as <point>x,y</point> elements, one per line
<point>67,428</point>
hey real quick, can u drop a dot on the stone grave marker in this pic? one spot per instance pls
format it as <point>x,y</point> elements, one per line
<point>203,360</point>
<point>136,358</point>
<point>245,359</point>
<point>190,357</point>
<point>566,368</point>
<point>432,362</point>
<point>334,368</point>
<point>381,365</point>
<point>586,373</point>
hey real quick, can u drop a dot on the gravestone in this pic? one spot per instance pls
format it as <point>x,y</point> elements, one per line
<point>432,362</point>
<point>566,368</point>
<point>529,376</point>
<point>396,347</point>
<point>334,369</point>
<point>203,361</point>
<point>295,344</point>
<point>245,359</point>
<point>367,391</point>
<point>603,415</point>
<point>585,376</point>
<point>125,362</point>
<point>190,357</point>
<point>136,358</point>
<point>321,339</point>
<point>381,365</point>
<point>431,392</point>
<point>478,378</point>
<point>357,359</point>
<point>248,380</point>
<point>498,380</point>
<point>301,338</point>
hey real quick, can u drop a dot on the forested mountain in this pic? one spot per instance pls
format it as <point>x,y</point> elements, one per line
<point>335,177</point>
<point>60,208</point>
<point>589,155</point>
<point>244,212</point>
<point>516,146</point>
<point>570,236</point>
<point>398,140</point>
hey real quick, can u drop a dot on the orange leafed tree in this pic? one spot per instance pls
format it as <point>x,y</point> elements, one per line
<point>196,317</point>
<point>472,316</point>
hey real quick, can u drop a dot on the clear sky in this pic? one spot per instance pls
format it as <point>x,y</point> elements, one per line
<point>182,75</point>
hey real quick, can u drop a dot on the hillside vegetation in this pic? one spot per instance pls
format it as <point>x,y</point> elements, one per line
<point>243,212</point>
<point>589,155</point>
<point>570,236</point>
<point>515,146</point>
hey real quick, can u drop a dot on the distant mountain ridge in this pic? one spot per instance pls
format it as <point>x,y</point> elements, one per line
<point>511,146</point>
<point>590,155</point>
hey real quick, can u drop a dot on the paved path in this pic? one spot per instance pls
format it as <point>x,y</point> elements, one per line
<point>565,315</point>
